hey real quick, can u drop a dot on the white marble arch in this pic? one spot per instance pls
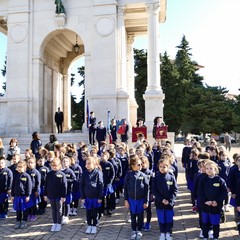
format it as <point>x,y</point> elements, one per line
<point>40,51</point>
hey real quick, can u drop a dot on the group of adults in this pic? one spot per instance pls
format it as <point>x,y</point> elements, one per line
<point>99,133</point>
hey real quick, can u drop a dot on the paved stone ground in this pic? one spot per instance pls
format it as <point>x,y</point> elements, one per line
<point>116,227</point>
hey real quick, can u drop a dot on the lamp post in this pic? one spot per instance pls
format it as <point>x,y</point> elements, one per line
<point>76,47</point>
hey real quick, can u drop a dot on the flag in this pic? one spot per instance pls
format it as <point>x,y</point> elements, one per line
<point>88,115</point>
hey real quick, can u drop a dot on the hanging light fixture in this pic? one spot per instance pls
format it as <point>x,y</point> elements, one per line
<point>76,47</point>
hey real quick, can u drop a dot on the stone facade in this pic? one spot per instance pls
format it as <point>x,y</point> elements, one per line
<point>40,51</point>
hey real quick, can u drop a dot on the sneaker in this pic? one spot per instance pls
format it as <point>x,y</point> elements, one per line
<point>12,211</point>
<point>168,236</point>
<point>33,218</point>
<point>17,224</point>
<point>65,220</point>
<point>74,212</point>
<point>210,234</point>
<point>71,212</point>
<point>201,234</point>
<point>194,209</point>
<point>133,236</point>
<point>53,227</point>
<point>226,208</point>
<point>23,224</point>
<point>94,230</point>
<point>162,236</point>
<point>147,227</point>
<point>129,220</point>
<point>139,234</point>
<point>89,229</point>
<point>58,227</point>
<point>29,217</point>
<point>117,200</point>
<point>82,206</point>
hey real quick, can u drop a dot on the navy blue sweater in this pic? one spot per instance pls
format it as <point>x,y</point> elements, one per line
<point>164,186</point>
<point>36,179</point>
<point>91,185</point>
<point>212,189</point>
<point>43,170</point>
<point>125,165</point>
<point>56,185</point>
<point>108,172</point>
<point>78,173</point>
<point>224,168</point>
<point>22,185</point>
<point>233,177</point>
<point>192,167</point>
<point>136,186</point>
<point>6,179</point>
<point>71,178</point>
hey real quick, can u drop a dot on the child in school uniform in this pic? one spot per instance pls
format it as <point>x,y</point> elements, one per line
<point>91,188</point>
<point>136,194</point>
<point>43,170</point>
<point>212,191</point>
<point>56,190</point>
<point>165,190</point>
<point>108,178</point>
<point>149,174</point>
<point>71,177</point>
<point>21,191</point>
<point>76,186</point>
<point>6,178</point>
<point>36,183</point>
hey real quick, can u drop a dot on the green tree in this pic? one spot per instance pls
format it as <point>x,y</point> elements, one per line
<point>4,73</point>
<point>140,68</point>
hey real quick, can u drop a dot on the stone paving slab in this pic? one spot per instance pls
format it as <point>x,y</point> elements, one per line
<point>116,226</point>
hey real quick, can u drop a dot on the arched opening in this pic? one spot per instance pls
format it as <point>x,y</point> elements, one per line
<point>59,51</point>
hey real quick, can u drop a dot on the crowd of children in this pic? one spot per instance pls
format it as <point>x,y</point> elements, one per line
<point>98,177</point>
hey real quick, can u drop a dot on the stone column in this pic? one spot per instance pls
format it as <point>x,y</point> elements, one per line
<point>153,95</point>
<point>130,79</point>
<point>66,103</point>
<point>122,95</point>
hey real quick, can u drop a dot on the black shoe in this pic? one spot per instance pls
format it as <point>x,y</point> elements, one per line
<point>223,217</point>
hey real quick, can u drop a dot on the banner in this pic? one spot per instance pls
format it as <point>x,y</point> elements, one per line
<point>161,132</point>
<point>118,124</point>
<point>136,131</point>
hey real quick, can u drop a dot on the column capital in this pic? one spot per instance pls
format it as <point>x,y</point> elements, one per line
<point>130,38</point>
<point>121,10</point>
<point>153,8</point>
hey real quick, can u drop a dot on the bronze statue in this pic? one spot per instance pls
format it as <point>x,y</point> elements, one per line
<point>59,7</point>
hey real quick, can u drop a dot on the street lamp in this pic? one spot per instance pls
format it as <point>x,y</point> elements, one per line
<point>76,47</point>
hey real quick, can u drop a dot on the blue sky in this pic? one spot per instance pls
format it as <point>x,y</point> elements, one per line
<point>212,28</point>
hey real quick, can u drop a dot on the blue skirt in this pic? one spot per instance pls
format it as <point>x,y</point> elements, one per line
<point>233,202</point>
<point>33,201</point>
<point>108,190</point>
<point>3,197</point>
<point>42,190</point>
<point>76,196</point>
<point>69,198</point>
<point>136,206</point>
<point>92,203</point>
<point>165,215</point>
<point>213,219</point>
<point>19,203</point>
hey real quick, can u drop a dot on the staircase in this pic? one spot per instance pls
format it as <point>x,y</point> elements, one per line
<point>24,140</point>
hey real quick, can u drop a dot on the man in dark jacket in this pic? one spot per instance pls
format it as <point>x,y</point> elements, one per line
<point>59,120</point>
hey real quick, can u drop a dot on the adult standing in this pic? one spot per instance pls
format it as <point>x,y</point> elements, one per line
<point>92,128</point>
<point>158,122</point>
<point>125,129</point>
<point>227,141</point>
<point>59,120</point>
<point>101,133</point>
<point>113,130</point>
<point>35,144</point>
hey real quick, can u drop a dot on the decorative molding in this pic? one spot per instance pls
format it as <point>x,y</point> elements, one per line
<point>121,11</point>
<point>105,26</point>
<point>61,20</point>
<point>153,8</point>
<point>130,38</point>
<point>18,32</point>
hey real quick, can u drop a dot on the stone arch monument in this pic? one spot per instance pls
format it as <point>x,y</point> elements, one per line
<point>40,50</point>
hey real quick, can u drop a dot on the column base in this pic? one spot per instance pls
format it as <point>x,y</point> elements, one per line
<point>153,107</point>
<point>123,104</point>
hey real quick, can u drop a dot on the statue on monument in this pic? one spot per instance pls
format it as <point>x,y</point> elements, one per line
<point>59,7</point>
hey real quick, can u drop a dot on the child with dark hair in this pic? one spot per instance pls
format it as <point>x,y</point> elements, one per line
<point>21,191</point>
<point>6,178</point>
<point>56,190</point>
<point>136,194</point>
<point>91,188</point>
<point>35,195</point>
<point>165,191</point>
